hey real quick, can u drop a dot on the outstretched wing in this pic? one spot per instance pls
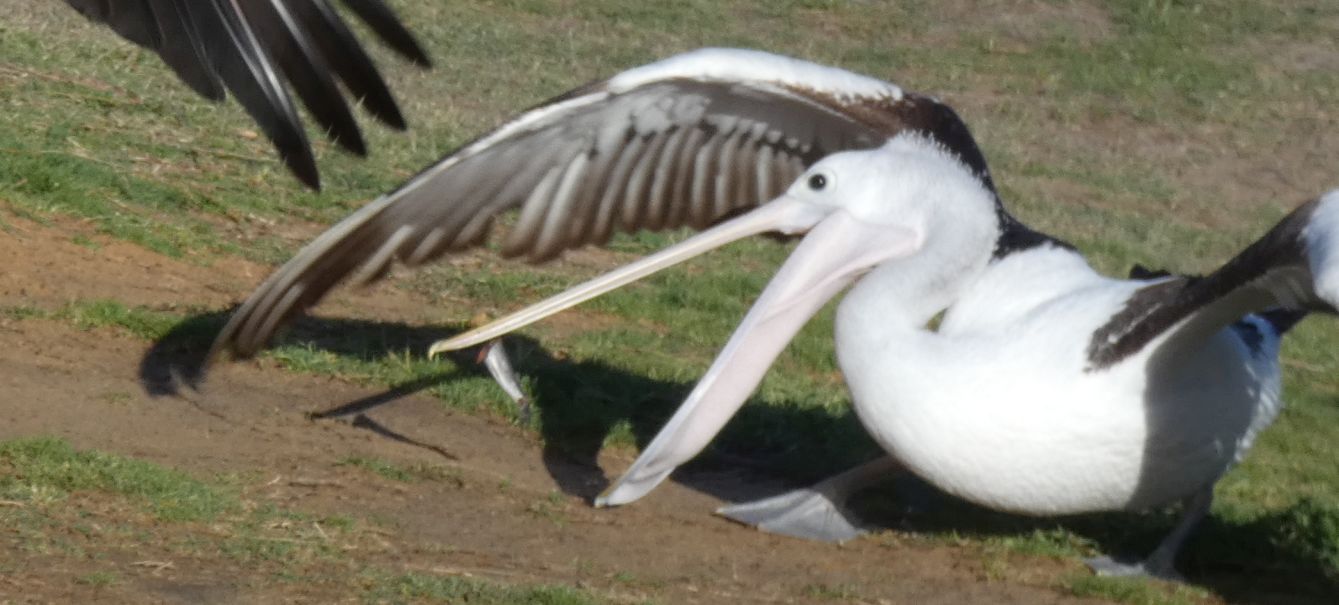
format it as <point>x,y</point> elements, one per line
<point>1292,270</point>
<point>685,141</point>
<point>252,47</point>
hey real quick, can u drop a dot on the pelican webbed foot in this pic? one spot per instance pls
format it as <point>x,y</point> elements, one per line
<point>814,513</point>
<point>1108,567</point>
<point>1161,563</point>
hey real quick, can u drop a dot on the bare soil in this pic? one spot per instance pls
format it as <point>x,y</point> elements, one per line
<point>503,513</point>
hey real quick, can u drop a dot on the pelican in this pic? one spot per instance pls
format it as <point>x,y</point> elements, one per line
<point>252,48</point>
<point>1045,389</point>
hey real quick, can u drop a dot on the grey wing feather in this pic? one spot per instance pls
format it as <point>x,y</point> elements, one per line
<point>662,155</point>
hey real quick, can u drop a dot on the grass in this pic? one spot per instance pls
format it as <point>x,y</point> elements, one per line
<point>1150,131</point>
<point>92,507</point>
<point>402,473</point>
<point>1133,591</point>
<point>420,587</point>
<point>98,579</point>
<point>44,470</point>
<point>825,592</point>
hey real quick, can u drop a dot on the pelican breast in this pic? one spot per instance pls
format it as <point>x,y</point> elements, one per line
<point>999,406</point>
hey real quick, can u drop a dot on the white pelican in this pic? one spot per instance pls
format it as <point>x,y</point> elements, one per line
<point>1046,389</point>
<point>252,48</point>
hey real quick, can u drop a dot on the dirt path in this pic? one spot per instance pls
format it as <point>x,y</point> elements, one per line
<point>252,420</point>
<point>496,513</point>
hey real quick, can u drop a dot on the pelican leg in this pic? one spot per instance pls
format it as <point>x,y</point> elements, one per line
<point>494,357</point>
<point>818,512</point>
<point>1161,563</point>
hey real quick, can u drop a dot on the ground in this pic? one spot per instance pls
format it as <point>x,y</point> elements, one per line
<point>495,508</point>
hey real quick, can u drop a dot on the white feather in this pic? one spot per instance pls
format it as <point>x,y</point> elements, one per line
<point>740,65</point>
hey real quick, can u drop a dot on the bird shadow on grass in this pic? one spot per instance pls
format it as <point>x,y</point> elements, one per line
<point>1284,556</point>
<point>1288,555</point>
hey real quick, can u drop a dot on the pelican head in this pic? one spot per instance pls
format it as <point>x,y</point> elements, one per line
<point>912,183</point>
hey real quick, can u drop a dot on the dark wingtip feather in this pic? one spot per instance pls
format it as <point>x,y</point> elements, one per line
<point>355,145</point>
<point>210,46</point>
<point>387,25</point>
<point>251,77</point>
<point>304,167</point>
<point>392,118</point>
<point>296,153</point>
<point>306,71</point>
<point>341,50</point>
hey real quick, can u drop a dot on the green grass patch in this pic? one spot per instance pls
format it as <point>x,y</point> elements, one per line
<point>50,469</point>
<point>98,579</point>
<point>1134,591</point>
<point>203,520</point>
<point>22,312</point>
<point>831,592</point>
<point>137,321</point>
<point>403,473</point>
<point>451,589</point>
<point>186,330</point>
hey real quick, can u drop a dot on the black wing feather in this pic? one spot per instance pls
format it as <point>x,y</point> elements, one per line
<point>183,51</point>
<point>383,21</point>
<point>307,72</point>
<point>252,79</point>
<point>252,48</point>
<point>1276,277</point>
<point>341,48</point>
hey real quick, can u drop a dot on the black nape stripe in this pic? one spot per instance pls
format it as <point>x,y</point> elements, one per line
<point>1017,237</point>
<point>1142,272</point>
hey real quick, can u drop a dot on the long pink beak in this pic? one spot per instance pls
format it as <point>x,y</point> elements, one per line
<point>784,214</point>
<point>838,249</point>
<point>836,252</point>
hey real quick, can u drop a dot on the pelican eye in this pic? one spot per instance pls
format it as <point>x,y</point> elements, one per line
<point>818,182</point>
